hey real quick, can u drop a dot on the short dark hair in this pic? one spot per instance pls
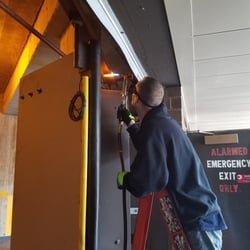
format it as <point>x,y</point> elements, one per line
<point>151,91</point>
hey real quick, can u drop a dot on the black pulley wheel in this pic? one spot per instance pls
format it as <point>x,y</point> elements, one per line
<point>76,107</point>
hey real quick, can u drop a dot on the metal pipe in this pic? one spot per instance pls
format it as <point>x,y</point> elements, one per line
<point>21,21</point>
<point>84,167</point>
<point>81,48</point>
<point>94,146</point>
<point>92,29</point>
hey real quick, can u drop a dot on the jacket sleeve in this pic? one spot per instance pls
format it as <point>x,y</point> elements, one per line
<point>134,133</point>
<point>149,171</point>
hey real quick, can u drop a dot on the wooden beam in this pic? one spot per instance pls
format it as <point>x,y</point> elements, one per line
<point>67,40</point>
<point>29,27</point>
<point>41,24</point>
<point>1,102</point>
<point>2,19</point>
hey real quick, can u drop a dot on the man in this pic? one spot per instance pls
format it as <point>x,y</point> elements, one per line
<point>166,159</point>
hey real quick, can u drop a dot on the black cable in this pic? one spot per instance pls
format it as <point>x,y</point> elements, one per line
<point>124,200</point>
<point>77,104</point>
<point>75,110</point>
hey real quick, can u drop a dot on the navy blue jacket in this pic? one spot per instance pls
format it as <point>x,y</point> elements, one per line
<point>166,159</point>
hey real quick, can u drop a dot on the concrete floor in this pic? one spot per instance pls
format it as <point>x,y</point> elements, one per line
<point>4,243</point>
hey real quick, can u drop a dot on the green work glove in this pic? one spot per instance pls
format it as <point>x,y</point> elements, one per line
<point>124,115</point>
<point>120,179</point>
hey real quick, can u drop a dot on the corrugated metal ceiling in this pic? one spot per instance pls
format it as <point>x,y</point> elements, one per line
<point>146,25</point>
<point>214,67</point>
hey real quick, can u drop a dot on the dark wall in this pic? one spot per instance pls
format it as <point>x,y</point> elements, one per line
<point>146,25</point>
<point>228,170</point>
<point>110,215</point>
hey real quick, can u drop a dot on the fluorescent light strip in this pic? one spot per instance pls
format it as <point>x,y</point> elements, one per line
<point>106,15</point>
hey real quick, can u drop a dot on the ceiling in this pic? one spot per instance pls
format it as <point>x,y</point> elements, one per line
<point>18,37</point>
<point>212,46</point>
<point>13,36</point>
<point>202,45</point>
<point>146,26</point>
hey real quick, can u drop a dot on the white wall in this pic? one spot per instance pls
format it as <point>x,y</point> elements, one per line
<point>7,162</point>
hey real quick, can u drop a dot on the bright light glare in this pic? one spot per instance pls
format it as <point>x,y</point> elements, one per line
<point>111,75</point>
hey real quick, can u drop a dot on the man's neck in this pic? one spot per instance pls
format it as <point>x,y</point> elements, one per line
<point>144,111</point>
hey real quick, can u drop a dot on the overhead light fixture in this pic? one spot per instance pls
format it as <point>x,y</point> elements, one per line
<point>108,18</point>
<point>111,75</point>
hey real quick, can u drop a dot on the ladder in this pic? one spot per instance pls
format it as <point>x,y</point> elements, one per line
<point>167,209</point>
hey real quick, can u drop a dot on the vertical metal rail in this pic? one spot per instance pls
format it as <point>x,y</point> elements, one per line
<point>83,181</point>
<point>124,196</point>
<point>94,147</point>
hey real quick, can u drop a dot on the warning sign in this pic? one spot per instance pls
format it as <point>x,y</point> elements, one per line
<point>228,170</point>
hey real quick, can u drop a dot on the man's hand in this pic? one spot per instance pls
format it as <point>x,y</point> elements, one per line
<point>120,179</point>
<point>124,115</point>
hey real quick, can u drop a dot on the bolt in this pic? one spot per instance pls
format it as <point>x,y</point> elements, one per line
<point>117,242</point>
<point>142,8</point>
<point>39,91</point>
